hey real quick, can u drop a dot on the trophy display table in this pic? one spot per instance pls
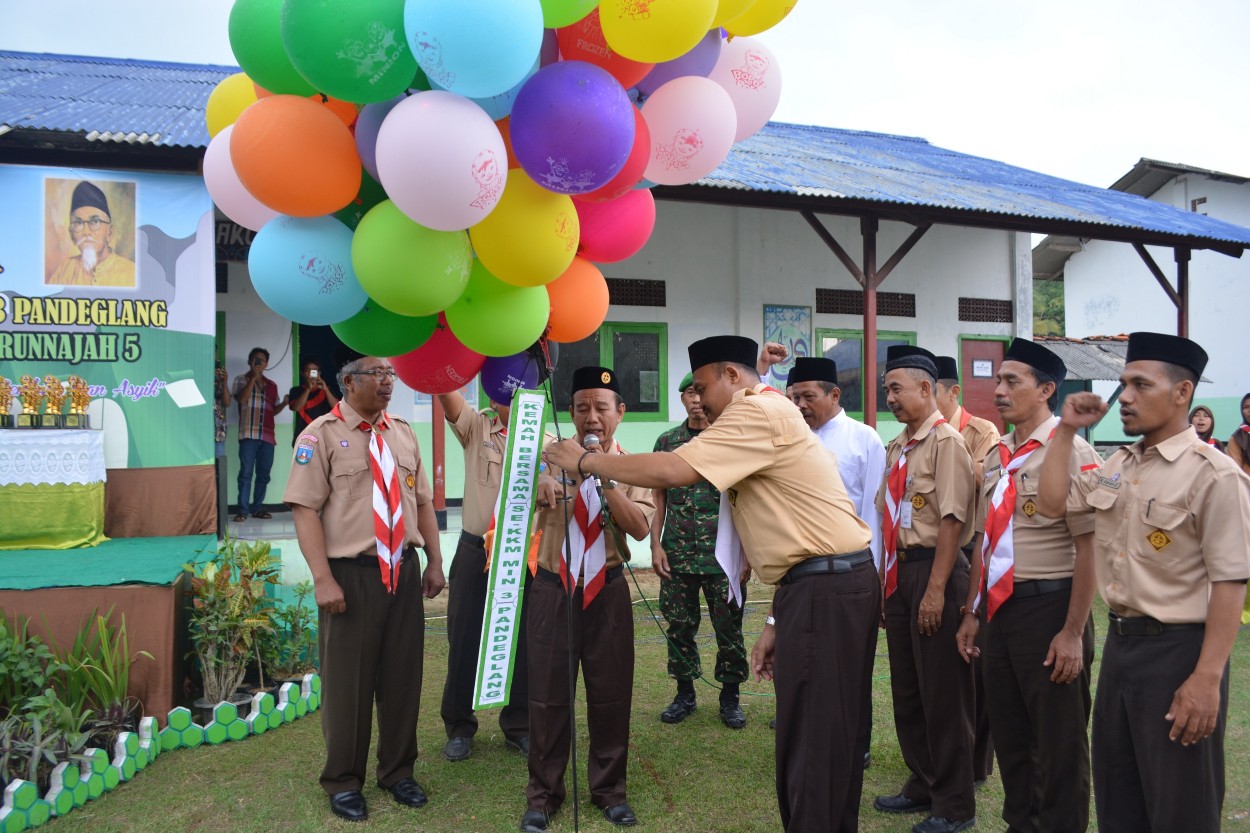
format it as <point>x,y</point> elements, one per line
<point>51,488</point>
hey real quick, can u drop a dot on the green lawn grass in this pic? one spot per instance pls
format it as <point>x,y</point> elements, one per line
<point>696,776</point>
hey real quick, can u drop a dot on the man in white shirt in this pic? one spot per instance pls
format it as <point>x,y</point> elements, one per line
<point>813,387</point>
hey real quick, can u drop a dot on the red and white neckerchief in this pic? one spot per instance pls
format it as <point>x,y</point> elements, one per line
<point>1211,441</point>
<point>998,551</point>
<point>588,542</point>
<point>388,510</point>
<point>895,488</point>
<point>1245,427</point>
<point>964,419</point>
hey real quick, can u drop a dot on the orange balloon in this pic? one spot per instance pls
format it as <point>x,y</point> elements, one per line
<point>505,130</point>
<point>295,156</point>
<point>344,111</point>
<point>579,302</point>
<point>261,92</point>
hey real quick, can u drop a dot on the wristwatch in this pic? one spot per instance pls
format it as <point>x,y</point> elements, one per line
<point>769,620</point>
<point>964,610</point>
<point>609,484</point>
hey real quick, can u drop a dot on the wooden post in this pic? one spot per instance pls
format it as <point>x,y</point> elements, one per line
<point>868,228</point>
<point>1182,292</point>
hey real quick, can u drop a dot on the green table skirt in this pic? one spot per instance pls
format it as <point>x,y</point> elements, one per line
<point>51,516</point>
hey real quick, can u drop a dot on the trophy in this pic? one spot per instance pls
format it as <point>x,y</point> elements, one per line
<point>55,395</point>
<point>78,401</point>
<point>6,401</point>
<point>31,394</point>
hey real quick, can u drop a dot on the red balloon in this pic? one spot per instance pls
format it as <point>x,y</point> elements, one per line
<point>635,166</point>
<point>618,229</point>
<point>441,365</point>
<point>579,302</point>
<point>584,41</point>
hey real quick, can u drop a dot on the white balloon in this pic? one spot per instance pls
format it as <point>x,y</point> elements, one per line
<point>748,71</point>
<point>223,184</point>
<point>692,123</point>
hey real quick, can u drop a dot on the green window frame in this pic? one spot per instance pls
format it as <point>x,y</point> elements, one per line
<point>618,343</point>
<point>828,338</point>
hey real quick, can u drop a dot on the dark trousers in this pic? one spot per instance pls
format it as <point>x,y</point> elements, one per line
<point>826,633</point>
<point>932,691</point>
<point>603,644</point>
<point>982,738</point>
<point>1144,782</point>
<point>253,455</point>
<point>1043,754</point>
<point>371,654</point>
<point>679,604</point>
<point>466,603</point>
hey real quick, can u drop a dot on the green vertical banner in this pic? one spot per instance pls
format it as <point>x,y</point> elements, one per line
<point>514,521</point>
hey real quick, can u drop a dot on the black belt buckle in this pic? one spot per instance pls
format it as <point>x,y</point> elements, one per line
<point>1135,625</point>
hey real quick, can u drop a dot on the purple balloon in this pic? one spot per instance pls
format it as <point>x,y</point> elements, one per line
<point>504,376</point>
<point>368,123</point>
<point>698,61</point>
<point>572,127</point>
<point>549,53</point>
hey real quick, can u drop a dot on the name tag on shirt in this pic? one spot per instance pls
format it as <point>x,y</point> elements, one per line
<point>904,515</point>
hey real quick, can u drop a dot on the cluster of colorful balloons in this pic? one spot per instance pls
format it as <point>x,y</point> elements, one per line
<point>436,179</point>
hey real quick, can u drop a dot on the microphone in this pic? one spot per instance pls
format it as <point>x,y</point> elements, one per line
<point>590,442</point>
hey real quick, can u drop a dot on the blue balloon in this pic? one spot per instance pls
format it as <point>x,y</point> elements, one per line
<point>301,267</point>
<point>475,48</point>
<point>496,106</point>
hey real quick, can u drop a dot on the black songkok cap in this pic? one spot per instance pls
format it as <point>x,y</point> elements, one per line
<point>947,368</point>
<point>87,195</point>
<point>1161,347</point>
<point>1037,357</point>
<point>899,356</point>
<point>736,349</point>
<point>813,369</point>
<point>595,378</point>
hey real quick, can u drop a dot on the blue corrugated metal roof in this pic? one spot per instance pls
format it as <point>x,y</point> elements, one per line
<point>848,164</point>
<point>164,103</point>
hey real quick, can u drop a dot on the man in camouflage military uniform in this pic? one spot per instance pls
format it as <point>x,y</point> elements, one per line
<point>683,554</point>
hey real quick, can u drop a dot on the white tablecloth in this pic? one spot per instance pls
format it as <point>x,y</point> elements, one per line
<point>31,456</point>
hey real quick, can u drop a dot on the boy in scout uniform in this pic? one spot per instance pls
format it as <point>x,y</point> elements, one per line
<point>817,641</point>
<point>927,505</point>
<point>1037,643</point>
<point>361,504</point>
<point>1172,538</point>
<point>591,590</point>
<point>980,436</point>
<point>482,435</point>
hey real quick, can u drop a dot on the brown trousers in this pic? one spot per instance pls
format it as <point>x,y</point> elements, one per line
<point>1143,782</point>
<point>932,691</point>
<point>603,644</point>
<point>466,604</point>
<point>1043,756</point>
<point>826,634</point>
<point>372,652</point>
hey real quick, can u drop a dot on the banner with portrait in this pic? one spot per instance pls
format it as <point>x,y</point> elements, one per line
<point>109,276</point>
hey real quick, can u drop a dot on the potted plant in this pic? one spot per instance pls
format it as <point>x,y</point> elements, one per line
<point>96,677</point>
<point>289,649</point>
<point>229,609</point>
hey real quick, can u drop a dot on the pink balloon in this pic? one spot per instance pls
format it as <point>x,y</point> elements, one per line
<point>748,71</point>
<point>225,188</point>
<point>617,229</point>
<point>441,365</point>
<point>441,160</point>
<point>692,124</point>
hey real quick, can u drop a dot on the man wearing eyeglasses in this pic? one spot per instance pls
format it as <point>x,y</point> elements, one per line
<point>362,505</point>
<point>91,230</point>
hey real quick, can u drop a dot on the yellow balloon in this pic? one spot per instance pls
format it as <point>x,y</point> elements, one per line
<point>728,10</point>
<point>530,237</point>
<point>644,30</point>
<point>227,100</point>
<point>763,15</point>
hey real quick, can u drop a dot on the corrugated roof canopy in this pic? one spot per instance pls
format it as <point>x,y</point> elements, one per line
<point>1099,358</point>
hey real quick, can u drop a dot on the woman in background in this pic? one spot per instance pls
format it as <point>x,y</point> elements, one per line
<point>1203,422</point>
<point>1239,442</point>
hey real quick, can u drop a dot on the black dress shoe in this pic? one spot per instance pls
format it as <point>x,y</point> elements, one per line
<point>900,804</point>
<point>683,706</point>
<point>937,824</point>
<point>621,815</point>
<point>731,715</point>
<point>521,744</point>
<point>534,821</point>
<point>867,760</point>
<point>457,749</point>
<point>772,724</point>
<point>407,792</point>
<point>349,805</point>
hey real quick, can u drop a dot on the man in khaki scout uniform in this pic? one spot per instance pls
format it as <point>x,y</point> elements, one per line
<point>1172,541</point>
<point>1037,642</point>
<point>817,642</point>
<point>981,436</point>
<point>927,505</point>
<point>482,435</point>
<point>602,618</point>
<point>361,502</point>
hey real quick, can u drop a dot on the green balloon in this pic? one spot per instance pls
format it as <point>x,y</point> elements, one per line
<point>356,50</point>
<point>370,194</point>
<point>256,39</point>
<point>557,13</point>
<point>496,318</point>
<point>406,267</point>
<point>376,331</point>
